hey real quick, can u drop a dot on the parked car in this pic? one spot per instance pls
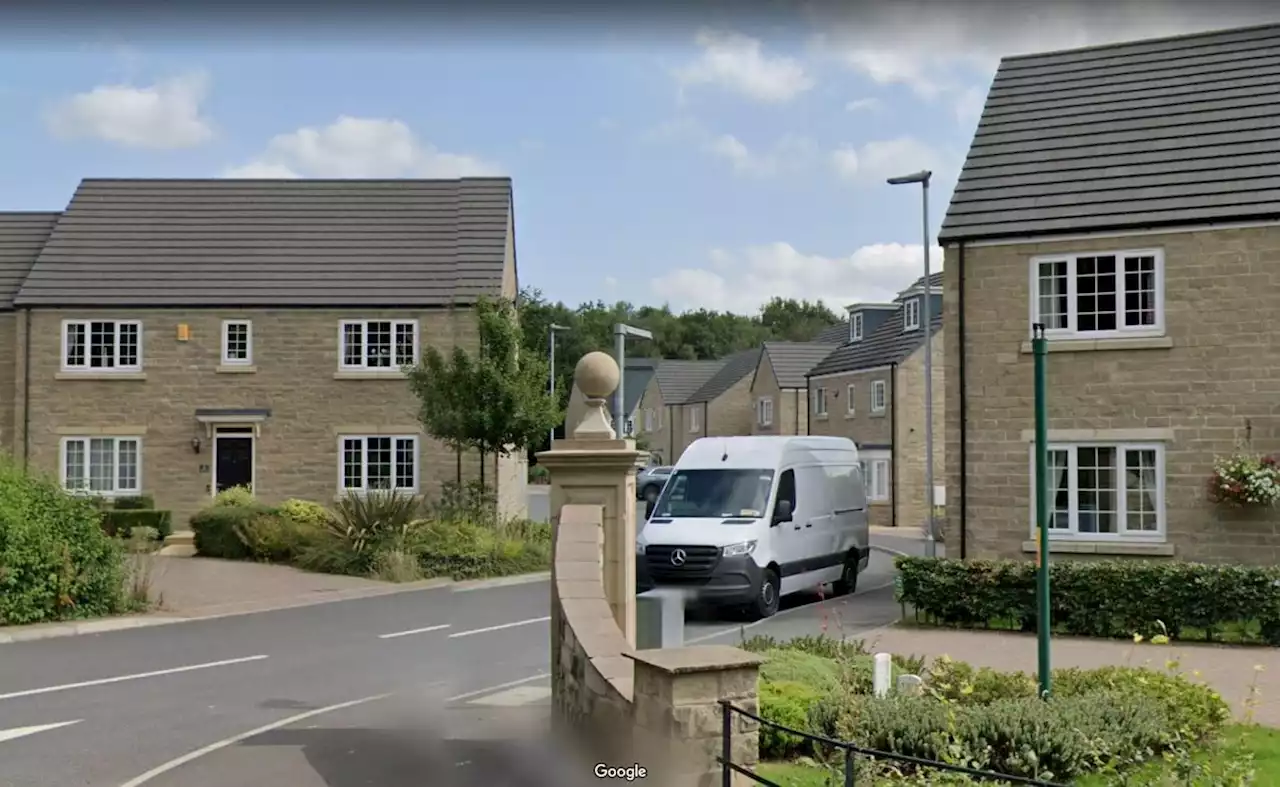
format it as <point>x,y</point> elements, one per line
<point>649,482</point>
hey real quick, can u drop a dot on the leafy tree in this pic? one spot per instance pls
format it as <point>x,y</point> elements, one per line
<point>495,401</point>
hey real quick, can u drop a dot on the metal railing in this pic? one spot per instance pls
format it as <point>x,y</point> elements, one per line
<point>850,752</point>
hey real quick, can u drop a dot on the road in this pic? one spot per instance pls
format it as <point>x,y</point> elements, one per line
<point>249,700</point>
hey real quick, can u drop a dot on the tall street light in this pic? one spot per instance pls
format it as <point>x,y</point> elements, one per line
<point>552,331</point>
<point>926,321</point>
<point>620,334</point>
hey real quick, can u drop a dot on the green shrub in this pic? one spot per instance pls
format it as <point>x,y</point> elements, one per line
<point>55,560</point>
<point>794,666</point>
<point>787,703</point>
<point>1194,710</point>
<point>218,529</point>
<point>234,496</point>
<point>123,521</point>
<point>464,550</point>
<point>1115,598</point>
<point>134,503</point>
<point>270,536</point>
<point>958,681</point>
<point>305,513</point>
<point>539,475</point>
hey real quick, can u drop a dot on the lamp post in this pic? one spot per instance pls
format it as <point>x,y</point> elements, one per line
<point>620,334</point>
<point>926,320</point>
<point>552,331</point>
<point>1044,625</point>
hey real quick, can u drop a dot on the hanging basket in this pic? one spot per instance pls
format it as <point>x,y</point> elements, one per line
<point>1245,481</point>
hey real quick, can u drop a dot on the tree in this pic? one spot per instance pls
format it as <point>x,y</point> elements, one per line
<point>495,401</point>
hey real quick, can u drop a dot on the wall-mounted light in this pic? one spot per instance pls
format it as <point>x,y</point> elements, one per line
<point>184,332</point>
<point>195,445</point>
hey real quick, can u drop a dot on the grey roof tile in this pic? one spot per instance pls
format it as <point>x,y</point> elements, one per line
<point>227,242</point>
<point>732,370</point>
<point>679,380</point>
<point>834,334</point>
<point>888,344</point>
<point>1147,133</point>
<point>22,235</point>
<point>791,361</point>
<point>635,379</point>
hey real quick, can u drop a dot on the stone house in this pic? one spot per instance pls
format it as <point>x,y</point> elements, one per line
<point>779,388</point>
<point>871,390</point>
<point>1124,197</point>
<point>178,337</point>
<point>635,381</point>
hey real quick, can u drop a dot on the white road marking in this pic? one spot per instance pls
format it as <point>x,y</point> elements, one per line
<point>413,631</point>
<point>500,628</point>
<point>515,697</point>
<point>777,615</point>
<point>22,732</point>
<point>123,678</point>
<point>178,762</point>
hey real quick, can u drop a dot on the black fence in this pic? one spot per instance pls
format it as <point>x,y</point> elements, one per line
<point>851,753</point>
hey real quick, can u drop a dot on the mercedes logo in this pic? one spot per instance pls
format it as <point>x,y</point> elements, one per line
<point>677,557</point>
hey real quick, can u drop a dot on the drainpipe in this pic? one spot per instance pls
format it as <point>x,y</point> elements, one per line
<point>794,395</point>
<point>964,409</point>
<point>706,423</point>
<point>808,404</point>
<point>26,388</point>
<point>893,453</point>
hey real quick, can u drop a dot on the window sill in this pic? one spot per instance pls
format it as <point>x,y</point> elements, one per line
<point>850,416</point>
<point>877,413</point>
<point>1097,345</point>
<point>236,369</point>
<point>100,376</point>
<point>340,496</point>
<point>820,416</point>
<point>879,503</point>
<point>394,374</point>
<point>1082,547</point>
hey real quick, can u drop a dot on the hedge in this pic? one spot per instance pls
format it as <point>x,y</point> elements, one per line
<point>1112,598</point>
<point>121,521</point>
<point>215,528</point>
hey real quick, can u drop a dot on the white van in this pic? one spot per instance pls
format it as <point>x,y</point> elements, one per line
<point>747,520</point>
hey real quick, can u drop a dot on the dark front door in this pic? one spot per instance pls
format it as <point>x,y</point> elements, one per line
<point>233,462</point>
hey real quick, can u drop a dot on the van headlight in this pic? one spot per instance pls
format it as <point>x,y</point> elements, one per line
<point>737,550</point>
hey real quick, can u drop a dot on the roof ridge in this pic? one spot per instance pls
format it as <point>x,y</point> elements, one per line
<point>1136,41</point>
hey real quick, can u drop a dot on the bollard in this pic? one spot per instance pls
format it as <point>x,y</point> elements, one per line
<point>883,674</point>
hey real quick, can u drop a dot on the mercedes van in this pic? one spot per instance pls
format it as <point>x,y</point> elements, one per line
<point>744,521</point>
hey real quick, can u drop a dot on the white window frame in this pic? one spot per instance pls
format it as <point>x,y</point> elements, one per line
<point>911,315</point>
<point>695,422</point>
<point>363,365</point>
<point>85,368</point>
<point>850,399</point>
<point>1121,331</point>
<point>116,490</point>
<point>818,403</point>
<point>364,462</point>
<point>649,420</point>
<point>879,394</point>
<point>227,360</point>
<point>764,411</point>
<point>877,471</point>
<point>855,327</point>
<point>1072,531</point>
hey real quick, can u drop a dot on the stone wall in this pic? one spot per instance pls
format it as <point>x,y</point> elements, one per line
<point>908,443</point>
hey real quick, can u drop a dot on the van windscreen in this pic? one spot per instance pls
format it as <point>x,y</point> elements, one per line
<point>715,493</point>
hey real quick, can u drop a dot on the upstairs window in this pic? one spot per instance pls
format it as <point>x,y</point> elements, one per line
<point>1099,295</point>
<point>764,411</point>
<point>855,327</point>
<point>819,401</point>
<point>378,345</point>
<point>911,315</point>
<point>237,343</point>
<point>878,399</point>
<point>102,345</point>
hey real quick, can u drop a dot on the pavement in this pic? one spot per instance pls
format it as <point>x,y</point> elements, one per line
<point>370,690</point>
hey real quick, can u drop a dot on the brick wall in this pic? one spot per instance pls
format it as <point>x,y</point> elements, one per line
<point>862,426</point>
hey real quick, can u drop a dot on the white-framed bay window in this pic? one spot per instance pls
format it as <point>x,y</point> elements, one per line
<point>1104,491</point>
<point>373,463</point>
<point>1099,295</point>
<point>101,346</point>
<point>377,345</point>
<point>101,465</point>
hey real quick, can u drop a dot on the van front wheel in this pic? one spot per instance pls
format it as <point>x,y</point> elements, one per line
<point>848,581</point>
<point>766,604</point>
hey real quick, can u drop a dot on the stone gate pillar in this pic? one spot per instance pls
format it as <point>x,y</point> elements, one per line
<point>593,467</point>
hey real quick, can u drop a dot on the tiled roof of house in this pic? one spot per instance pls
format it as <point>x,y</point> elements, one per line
<point>22,235</point>
<point>635,379</point>
<point>887,344</point>
<point>732,370</point>
<point>791,361</point>
<point>275,243</point>
<point>679,380</point>
<point>834,334</point>
<point>1159,132</point>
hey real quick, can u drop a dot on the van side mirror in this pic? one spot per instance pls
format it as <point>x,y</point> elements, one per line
<point>782,512</point>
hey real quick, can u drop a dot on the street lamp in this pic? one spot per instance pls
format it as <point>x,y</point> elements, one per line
<point>552,331</point>
<point>620,334</point>
<point>926,320</point>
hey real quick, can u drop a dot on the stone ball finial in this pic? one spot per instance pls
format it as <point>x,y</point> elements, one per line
<point>596,375</point>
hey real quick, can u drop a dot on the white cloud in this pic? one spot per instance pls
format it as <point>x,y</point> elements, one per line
<point>875,161</point>
<point>165,115</point>
<point>737,63</point>
<point>789,154</point>
<point>360,148</point>
<point>864,105</point>
<point>744,281</point>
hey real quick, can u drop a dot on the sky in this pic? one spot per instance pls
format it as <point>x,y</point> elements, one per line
<point>698,159</point>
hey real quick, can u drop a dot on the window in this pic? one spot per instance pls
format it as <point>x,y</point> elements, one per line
<point>237,342</point>
<point>379,464</point>
<point>877,396</point>
<point>1099,295</point>
<point>850,404</point>
<point>695,423</point>
<point>764,411</point>
<point>630,426</point>
<point>715,493</point>
<point>102,345</point>
<point>1103,491</point>
<point>102,465</point>
<point>819,401</point>
<point>911,315</point>
<point>379,345</point>
<point>875,473</point>
<point>855,327</point>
